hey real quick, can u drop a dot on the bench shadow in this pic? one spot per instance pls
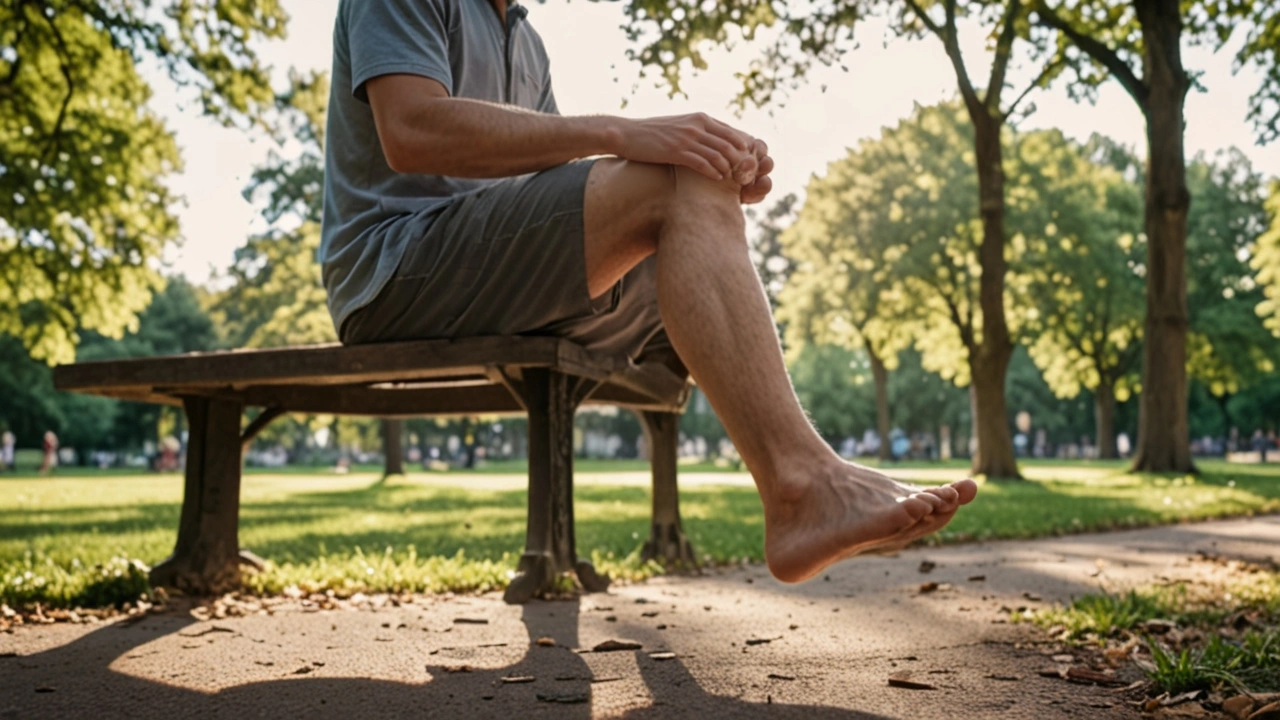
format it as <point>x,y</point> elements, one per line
<point>76,680</point>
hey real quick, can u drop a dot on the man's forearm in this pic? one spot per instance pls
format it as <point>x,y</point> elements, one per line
<point>459,137</point>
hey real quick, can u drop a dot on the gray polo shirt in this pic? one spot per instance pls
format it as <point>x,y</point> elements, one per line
<point>372,213</point>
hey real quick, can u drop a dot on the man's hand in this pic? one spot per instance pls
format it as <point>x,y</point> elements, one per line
<point>698,142</point>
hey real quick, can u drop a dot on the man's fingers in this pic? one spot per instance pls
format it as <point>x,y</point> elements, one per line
<point>740,140</point>
<point>759,148</point>
<point>718,160</point>
<point>699,164</point>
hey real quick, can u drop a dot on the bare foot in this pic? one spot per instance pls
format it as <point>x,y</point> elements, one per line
<point>848,511</point>
<point>963,493</point>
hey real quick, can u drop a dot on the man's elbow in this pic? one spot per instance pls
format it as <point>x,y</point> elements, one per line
<point>402,154</point>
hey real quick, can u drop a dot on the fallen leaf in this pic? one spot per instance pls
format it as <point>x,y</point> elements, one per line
<point>651,613</point>
<point>1032,596</point>
<point>515,679</point>
<point>547,642</point>
<point>928,587</point>
<point>611,678</point>
<point>1156,626</point>
<point>305,669</point>
<point>1004,678</point>
<point>977,578</point>
<point>927,566</point>
<point>662,656</point>
<point>470,621</point>
<point>1239,707</point>
<point>762,641</point>
<point>777,676</point>
<point>1064,658</point>
<point>45,689</point>
<point>903,680</point>
<point>1181,698</point>
<point>615,645</point>
<point>1085,675</point>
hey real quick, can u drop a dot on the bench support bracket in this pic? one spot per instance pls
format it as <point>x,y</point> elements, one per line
<point>206,558</point>
<point>550,547</point>
<point>667,542</point>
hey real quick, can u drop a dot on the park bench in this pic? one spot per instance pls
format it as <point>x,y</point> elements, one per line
<point>543,377</point>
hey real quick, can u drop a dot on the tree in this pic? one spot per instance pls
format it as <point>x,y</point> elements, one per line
<point>815,32</point>
<point>84,211</point>
<point>837,294</point>
<point>1229,347</point>
<point>1085,279</point>
<point>1266,261</point>
<point>1139,44</point>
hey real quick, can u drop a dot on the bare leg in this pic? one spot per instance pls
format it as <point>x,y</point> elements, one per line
<point>818,508</point>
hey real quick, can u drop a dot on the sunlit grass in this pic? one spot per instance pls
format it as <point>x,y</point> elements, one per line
<point>430,532</point>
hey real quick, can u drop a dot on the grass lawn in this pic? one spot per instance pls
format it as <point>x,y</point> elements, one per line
<point>460,531</point>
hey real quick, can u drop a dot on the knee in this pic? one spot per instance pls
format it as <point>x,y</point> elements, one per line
<point>695,196</point>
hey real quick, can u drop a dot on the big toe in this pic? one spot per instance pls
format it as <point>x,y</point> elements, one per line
<point>966,489</point>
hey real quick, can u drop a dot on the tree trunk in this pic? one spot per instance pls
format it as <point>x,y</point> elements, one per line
<point>392,434</point>
<point>1104,413</point>
<point>1164,443</point>
<point>991,418</point>
<point>989,359</point>
<point>883,423</point>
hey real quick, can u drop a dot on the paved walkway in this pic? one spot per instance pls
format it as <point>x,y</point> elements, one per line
<point>728,644</point>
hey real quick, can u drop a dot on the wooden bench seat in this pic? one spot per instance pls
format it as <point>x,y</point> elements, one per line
<point>545,378</point>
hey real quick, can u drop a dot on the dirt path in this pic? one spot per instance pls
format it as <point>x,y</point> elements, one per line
<point>742,644</point>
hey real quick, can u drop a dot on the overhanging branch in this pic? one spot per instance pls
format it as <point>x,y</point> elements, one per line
<point>1095,49</point>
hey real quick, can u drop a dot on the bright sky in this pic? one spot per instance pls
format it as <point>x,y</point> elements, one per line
<point>886,77</point>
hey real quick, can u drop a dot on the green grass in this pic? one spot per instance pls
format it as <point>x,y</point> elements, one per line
<point>1250,664</point>
<point>433,532</point>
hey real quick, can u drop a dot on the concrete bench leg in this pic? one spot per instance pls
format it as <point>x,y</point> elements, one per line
<point>550,546</point>
<point>206,558</point>
<point>667,542</point>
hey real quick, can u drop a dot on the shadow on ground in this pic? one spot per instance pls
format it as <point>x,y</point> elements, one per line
<point>77,680</point>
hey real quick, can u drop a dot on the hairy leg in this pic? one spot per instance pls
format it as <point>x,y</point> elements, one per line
<point>818,508</point>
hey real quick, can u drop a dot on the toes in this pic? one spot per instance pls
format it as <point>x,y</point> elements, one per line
<point>967,490</point>
<point>916,506</point>
<point>950,496</point>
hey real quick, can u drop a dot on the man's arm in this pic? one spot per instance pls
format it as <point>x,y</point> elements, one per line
<point>423,130</point>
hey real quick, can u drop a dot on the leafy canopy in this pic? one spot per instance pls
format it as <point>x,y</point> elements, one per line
<point>84,212</point>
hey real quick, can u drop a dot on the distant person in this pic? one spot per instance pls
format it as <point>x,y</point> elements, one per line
<point>460,203</point>
<point>50,453</point>
<point>7,442</point>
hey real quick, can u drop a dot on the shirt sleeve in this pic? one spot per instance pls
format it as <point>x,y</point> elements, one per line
<point>391,37</point>
<point>547,100</point>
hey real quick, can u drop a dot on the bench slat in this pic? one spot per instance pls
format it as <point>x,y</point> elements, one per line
<point>333,364</point>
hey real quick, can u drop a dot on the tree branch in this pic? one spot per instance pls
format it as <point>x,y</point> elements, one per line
<point>1049,68</point>
<point>1118,68</point>
<point>947,34</point>
<point>1000,64</point>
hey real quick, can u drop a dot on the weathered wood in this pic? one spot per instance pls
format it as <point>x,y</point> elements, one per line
<point>550,545</point>
<point>260,423</point>
<point>392,447</point>
<point>206,557</point>
<point>667,542</point>
<point>335,364</point>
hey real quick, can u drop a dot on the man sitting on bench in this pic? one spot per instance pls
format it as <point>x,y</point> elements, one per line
<point>459,203</point>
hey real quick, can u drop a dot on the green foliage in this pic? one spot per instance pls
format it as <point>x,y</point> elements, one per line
<point>1251,664</point>
<point>174,322</point>
<point>113,582</point>
<point>275,296</point>
<point>84,211</point>
<point>1266,262</point>
<point>1084,289</point>
<point>1229,348</point>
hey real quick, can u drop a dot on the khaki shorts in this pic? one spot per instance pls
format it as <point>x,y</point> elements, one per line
<point>508,259</point>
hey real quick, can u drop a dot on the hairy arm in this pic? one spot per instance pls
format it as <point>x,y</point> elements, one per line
<point>424,130</point>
